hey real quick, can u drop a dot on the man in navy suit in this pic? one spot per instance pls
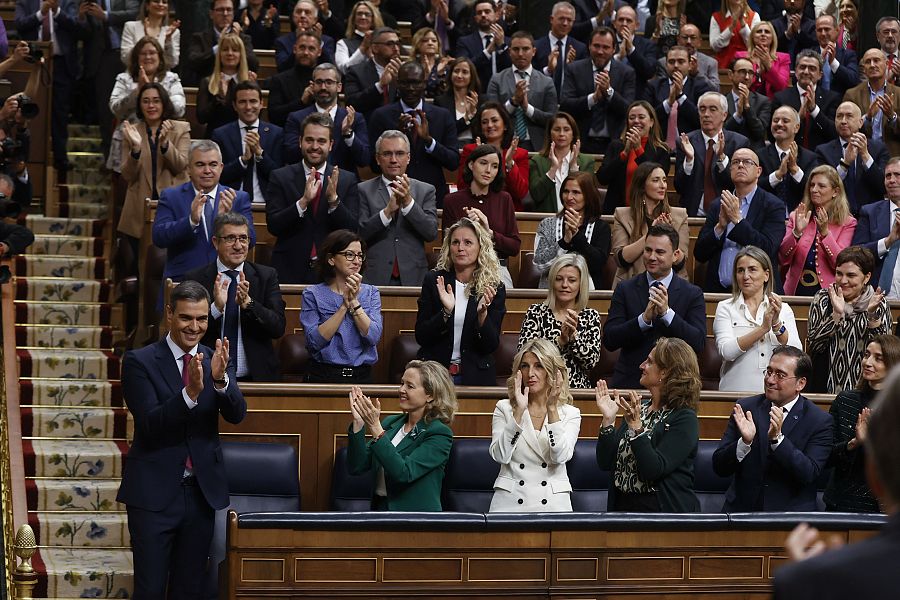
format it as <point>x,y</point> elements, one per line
<point>859,161</point>
<point>840,68</point>
<point>701,64</point>
<point>749,112</point>
<point>636,51</point>
<point>878,229</point>
<point>777,443</point>
<point>251,148</point>
<point>678,86</point>
<point>373,83</point>
<point>291,90</point>
<point>785,164</point>
<point>305,16</point>
<point>796,29</point>
<point>351,135</point>
<point>486,46</point>
<point>307,201</point>
<point>258,308</point>
<point>56,21</point>
<point>174,478</point>
<point>698,180</point>
<point>431,130</point>
<point>185,214</point>
<point>749,216</point>
<point>652,305</point>
<point>597,92</point>
<point>815,105</point>
<point>558,48</point>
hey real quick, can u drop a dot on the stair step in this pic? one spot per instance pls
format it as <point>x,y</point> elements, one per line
<point>64,245</point>
<point>81,130</point>
<point>94,422</point>
<point>72,494</point>
<point>39,224</point>
<point>78,458</point>
<point>63,266</point>
<point>94,176</point>
<point>70,392</point>
<point>64,337</point>
<point>83,210</point>
<point>64,290</point>
<point>75,364</point>
<point>62,313</point>
<point>96,529</point>
<point>84,573</point>
<point>84,144</point>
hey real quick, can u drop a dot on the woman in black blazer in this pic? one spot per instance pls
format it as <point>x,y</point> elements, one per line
<point>461,97</point>
<point>462,305</point>
<point>651,455</point>
<point>641,141</point>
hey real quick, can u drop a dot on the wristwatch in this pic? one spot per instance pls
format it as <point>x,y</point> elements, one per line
<point>778,439</point>
<point>780,330</point>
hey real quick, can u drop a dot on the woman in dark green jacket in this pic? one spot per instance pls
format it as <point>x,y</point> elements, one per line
<point>652,452</point>
<point>407,452</point>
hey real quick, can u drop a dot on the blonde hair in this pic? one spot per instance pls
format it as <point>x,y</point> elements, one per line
<point>437,384</point>
<point>681,374</point>
<point>487,269</point>
<point>549,357</point>
<point>569,260</point>
<point>417,39</point>
<point>229,41</point>
<point>773,50</point>
<point>840,208</point>
<point>377,21</point>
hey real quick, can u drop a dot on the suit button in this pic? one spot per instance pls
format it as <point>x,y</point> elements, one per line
<point>552,443</point>
<point>522,466</point>
<point>522,482</point>
<point>543,483</point>
<point>521,501</point>
<point>544,501</point>
<point>396,239</point>
<point>543,465</point>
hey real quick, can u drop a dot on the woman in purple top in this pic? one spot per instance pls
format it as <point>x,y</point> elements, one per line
<point>341,317</point>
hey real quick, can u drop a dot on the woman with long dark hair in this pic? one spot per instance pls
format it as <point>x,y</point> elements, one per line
<point>559,157</point>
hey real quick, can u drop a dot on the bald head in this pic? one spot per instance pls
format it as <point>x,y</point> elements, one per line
<point>848,119</point>
<point>785,126</point>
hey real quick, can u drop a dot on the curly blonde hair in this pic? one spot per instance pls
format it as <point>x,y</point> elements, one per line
<point>681,374</point>
<point>549,357</point>
<point>437,384</point>
<point>839,209</point>
<point>229,41</point>
<point>487,270</point>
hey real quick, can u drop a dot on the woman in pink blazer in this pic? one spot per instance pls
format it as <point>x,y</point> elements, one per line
<point>772,69</point>
<point>817,231</point>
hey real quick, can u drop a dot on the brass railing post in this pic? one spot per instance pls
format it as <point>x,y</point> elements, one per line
<point>24,577</point>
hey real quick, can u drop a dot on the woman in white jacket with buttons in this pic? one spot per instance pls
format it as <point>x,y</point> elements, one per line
<point>534,433</point>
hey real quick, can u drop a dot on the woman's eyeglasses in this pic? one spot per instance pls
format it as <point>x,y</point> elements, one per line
<point>350,256</point>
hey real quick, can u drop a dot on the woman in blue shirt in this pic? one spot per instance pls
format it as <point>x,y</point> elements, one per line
<point>341,317</point>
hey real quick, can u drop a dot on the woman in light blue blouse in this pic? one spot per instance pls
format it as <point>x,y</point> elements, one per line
<point>341,317</point>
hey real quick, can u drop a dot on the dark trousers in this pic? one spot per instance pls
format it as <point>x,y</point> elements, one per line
<point>63,88</point>
<point>171,546</point>
<point>104,81</point>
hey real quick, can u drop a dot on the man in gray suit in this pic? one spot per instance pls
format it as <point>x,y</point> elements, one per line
<point>701,64</point>
<point>528,95</point>
<point>397,216</point>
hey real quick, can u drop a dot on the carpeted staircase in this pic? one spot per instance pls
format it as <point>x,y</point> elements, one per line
<point>74,424</point>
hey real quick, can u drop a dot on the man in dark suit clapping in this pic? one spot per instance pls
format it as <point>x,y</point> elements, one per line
<point>558,48</point>
<point>878,230</point>
<point>487,46</point>
<point>815,105</point>
<point>749,112</point>
<point>785,164</point>
<point>677,94</point>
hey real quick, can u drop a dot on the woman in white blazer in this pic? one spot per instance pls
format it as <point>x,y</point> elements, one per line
<point>534,433</point>
<point>153,22</point>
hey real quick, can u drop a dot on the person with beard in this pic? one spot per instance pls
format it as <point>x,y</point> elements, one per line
<point>292,90</point>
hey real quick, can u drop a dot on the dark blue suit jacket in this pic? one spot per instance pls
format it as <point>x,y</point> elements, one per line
<point>874,224</point>
<point>165,429</point>
<point>869,185</point>
<point>770,161</point>
<point>188,247</point>
<point>821,129</point>
<point>542,53</point>
<point>284,50</point>
<point>422,165</point>
<point>345,157</point>
<point>228,137</point>
<point>691,186</point>
<point>67,28</point>
<point>623,332</point>
<point>579,84</point>
<point>763,228</point>
<point>783,480</point>
<point>847,75</point>
<point>296,234</point>
<point>657,90</point>
<point>472,48</point>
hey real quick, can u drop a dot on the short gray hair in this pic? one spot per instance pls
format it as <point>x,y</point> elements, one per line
<point>6,179</point>
<point>205,146</point>
<point>809,53</point>
<point>229,218</point>
<point>790,109</point>
<point>391,134</point>
<point>723,102</point>
<point>562,4</point>
<point>310,2</point>
<point>326,66</point>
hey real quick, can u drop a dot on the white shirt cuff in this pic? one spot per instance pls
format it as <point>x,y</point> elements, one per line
<point>743,449</point>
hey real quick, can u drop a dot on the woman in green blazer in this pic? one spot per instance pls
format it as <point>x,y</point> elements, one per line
<point>651,454</point>
<point>407,452</point>
<point>559,157</point>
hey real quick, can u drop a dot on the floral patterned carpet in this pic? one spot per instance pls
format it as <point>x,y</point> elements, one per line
<point>74,424</point>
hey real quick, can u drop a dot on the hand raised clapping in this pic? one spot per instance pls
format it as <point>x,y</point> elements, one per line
<point>365,412</point>
<point>605,403</point>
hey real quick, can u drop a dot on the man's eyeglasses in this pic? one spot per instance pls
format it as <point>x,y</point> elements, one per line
<point>223,10</point>
<point>394,43</point>
<point>231,239</point>
<point>328,82</point>
<point>746,162</point>
<point>778,375</point>
<point>350,256</point>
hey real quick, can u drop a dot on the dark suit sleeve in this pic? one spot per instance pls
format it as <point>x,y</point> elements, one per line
<point>595,252</point>
<point>27,24</point>
<point>281,101</point>
<point>284,54</point>
<point>154,417</point>
<point>768,236</point>
<point>199,55</point>
<point>847,74</point>
<point>282,216</point>
<point>862,235</point>
<point>267,314</point>
<point>364,98</point>
<point>233,171</point>
<point>16,237</point>
<point>487,335</point>
<point>346,215</point>
<point>643,59</point>
<point>725,462</point>
<point>168,229</point>
<point>655,461</point>
<point>361,149</point>
<point>707,243</point>
<point>430,322</point>
<point>290,146</point>
<point>691,327</point>
<point>806,464</point>
<point>572,100</point>
<point>873,177</point>
<point>620,330</point>
<point>445,151</point>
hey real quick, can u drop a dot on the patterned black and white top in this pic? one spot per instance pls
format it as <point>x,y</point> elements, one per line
<point>580,354</point>
<point>845,342</point>
<point>626,474</point>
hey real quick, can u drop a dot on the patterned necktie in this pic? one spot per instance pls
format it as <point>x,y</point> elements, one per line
<point>672,127</point>
<point>826,73</point>
<point>806,123</point>
<point>521,124</point>
<point>560,71</point>
<point>247,184</point>
<point>185,377</point>
<point>232,317</point>
<point>209,215</point>
<point>709,188</point>
<point>781,190</point>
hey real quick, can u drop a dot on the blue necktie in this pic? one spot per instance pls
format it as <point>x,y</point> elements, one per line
<point>887,269</point>
<point>826,74</point>
<point>232,318</point>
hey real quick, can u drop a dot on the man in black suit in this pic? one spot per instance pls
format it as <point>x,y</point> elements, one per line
<point>431,130</point>
<point>557,49</point>
<point>749,216</point>
<point>591,14</point>
<point>247,307</point>
<point>351,133</point>
<point>839,65</point>
<point>795,29</point>
<point>652,305</point>
<point>597,91</point>
<point>292,90</point>
<point>772,9</point>
<point>701,64</point>
<point>174,478</point>
<point>486,47</point>
<point>251,148</point>
<point>677,93</point>
<point>859,161</point>
<point>307,201</point>
<point>887,32</point>
<point>815,105</point>
<point>785,164</point>
<point>701,161</point>
<point>203,45</point>
<point>777,443</point>
<point>373,83</point>
<point>878,230</point>
<point>636,51</point>
<point>864,569</point>
<point>749,113</point>
<point>305,16</point>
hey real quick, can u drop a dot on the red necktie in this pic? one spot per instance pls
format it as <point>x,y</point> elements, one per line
<point>45,27</point>
<point>805,124</point>
<point>314,206</point>
<point>185,376</point>
<point>709,188</point>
